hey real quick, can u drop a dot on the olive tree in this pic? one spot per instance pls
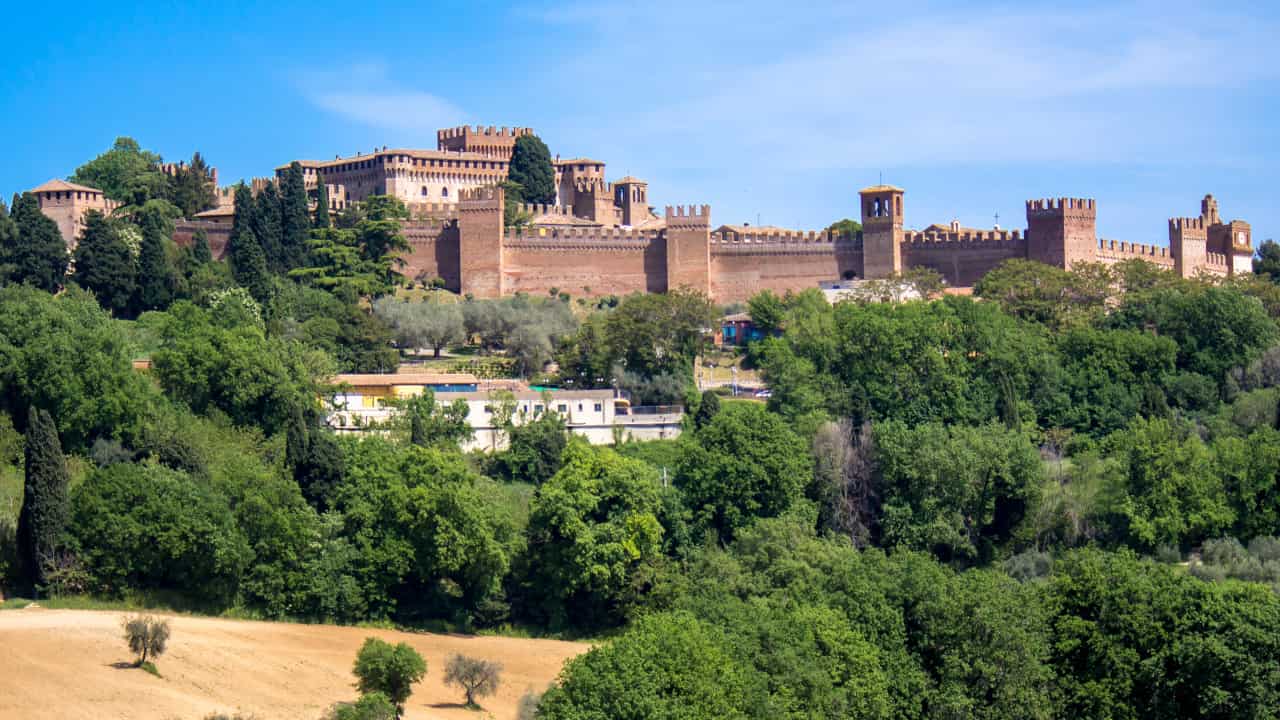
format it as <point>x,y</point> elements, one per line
<point>476,677</point>
<point>147,637</point>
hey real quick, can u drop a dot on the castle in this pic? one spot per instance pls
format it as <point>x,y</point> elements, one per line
<point>603,238</point>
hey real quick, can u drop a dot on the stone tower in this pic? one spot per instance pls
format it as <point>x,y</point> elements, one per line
<point>1062,231</point>
<point>632,196</point>
<point>881,231</point>
<point>688,237</point>
<point>480,229</point>
<point>66,203</point>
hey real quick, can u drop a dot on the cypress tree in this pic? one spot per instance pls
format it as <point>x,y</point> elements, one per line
<point>200,248</point>
<point>417,426</point>
<point>8,240</point>
<point>267,226</point>
<point>45,506</point>
<point>296,439</point>
<point>295,218</point>
<point>249,265</point>
<point>156,278</point>
<point>104,265</point>
<point>246,211</point>
<point>531,169</point>
<point>707,409</point>
<point>322,204</point>
<point>38,255</point>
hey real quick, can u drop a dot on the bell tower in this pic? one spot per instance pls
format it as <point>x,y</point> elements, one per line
<point>881,231</point>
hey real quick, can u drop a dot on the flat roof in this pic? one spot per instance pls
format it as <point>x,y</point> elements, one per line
<point>392,379</point>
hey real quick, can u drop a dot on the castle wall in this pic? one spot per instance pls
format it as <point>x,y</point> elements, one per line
<point>433,252</point>
<point>589,262</point>
<point>217,234</point>
<point>962,258</point>
<point>688,236</point>
<point>742,266</point>
<point>1062,231</point>
<point>1110,252</point>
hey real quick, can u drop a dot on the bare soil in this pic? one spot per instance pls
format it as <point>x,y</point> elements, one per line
<point>74,664</point>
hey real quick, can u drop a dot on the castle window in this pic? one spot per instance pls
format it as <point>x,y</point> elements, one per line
<point>424,191</point>
<point>444,192</point>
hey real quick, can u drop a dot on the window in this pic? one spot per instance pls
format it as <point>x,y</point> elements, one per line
<point>444,192</point>
<point>562,408</point>
<point>424,191</point>
<point>537,409</point>
<point>579,407</point>
<point>599,407</point>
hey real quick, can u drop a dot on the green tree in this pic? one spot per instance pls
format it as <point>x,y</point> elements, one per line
<point>192,189</point>
<point>845,227</point>
<point>104,264</point>
<point>533,454</point>
<point>126,173</point>
<point>424,324</point>
<point>149,527</point>
<point>954,490</point>
<point>200,248</point>
<point>745,463</point>
<point>66,355</point>
<point>1267,261</point>
<point>295,218</point>
<point>337,265</point>
<point>45,507</point>
<point>8,241</point>
<point>146,636</point>
<point>592,526</point>
<point>665,667</point>
<point>388,669</point>
<point>371,706</point>
<point>322,204</point>
<point>157,281</point>
<point>708,408</point>
<point>249,265</point>
<point>246,210</point>
<point>531,169</point>
<point>432,424</point>
<point>1166,489</point>
<point>37,254</point>
<point>475,676</point>
<point>268,227</point>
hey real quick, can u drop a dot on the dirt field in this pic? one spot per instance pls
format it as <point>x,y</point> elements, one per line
<point>64,664</point>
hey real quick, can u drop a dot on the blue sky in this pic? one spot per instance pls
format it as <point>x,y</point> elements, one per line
<point>776,111</point>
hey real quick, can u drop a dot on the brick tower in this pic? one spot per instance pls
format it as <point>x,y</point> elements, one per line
<point>881,231</point>
<point>688,237</point>
<point>1062,232</point>
<point>632,196</point>
<point>480,230</point>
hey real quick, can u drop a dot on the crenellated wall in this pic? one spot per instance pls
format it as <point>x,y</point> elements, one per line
<point>743,264</point>
<point>962,257</point>
<point>584,261</point>
<point>1114,251</point>
<point>217,234</point>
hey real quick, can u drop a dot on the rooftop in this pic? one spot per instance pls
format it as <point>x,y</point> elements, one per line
<point>880,189</point>
<point>422,154</point>
<point>390,379</point>
<point>56,185</point>
<point>577,161</point>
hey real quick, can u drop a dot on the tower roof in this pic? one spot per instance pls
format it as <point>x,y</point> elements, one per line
<point>880,189</point>
<point>56,185</point>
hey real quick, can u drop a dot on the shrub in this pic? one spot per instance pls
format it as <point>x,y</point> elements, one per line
<point>147,637</point>
<point>374,706</point>
<point>1029,565</point>
<point>476,677</point>
<point>390,670</point>
<point>1223,551</point>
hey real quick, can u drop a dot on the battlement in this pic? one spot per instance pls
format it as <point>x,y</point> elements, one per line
<point>592,184</point>
<point>536,209</point>
<point>1120,247</point>
<point>915,237</point>
<point>780,237</point>
<point>1187,223</point>
<point>594,238</point>
<point>490,131</point>
<point>689,211</point>
<point>1055,206</point>
<point>1218,259</point>
<point>487,197</point>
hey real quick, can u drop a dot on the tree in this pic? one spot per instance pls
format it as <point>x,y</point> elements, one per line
<point>424,324</point>
<point>104,264</point>
<point>37,255</point>
<point>845,227</point>
<point>845,480</point>
<point>708,408</point>
<point>322,204</point>
<point>432,424</point>
<point>157,281</point>
<point>746,463</point>
<point>295,220</point>
<point>535,448</point>
<point>476,677</point>
<point>150,527</point>
<point>1267,261</point>
<point>200,248</point>
<point>373,706</point>
<point>531,169</point>
<point>268,227</point>
<point>146,636</point>
<point>249,265</point>
<point>391,670</point>
<point>8,241</point>
<point>592,526</point>
<point>665,666</point>
<point>45,506</point>
<point>191,187</point>
<point>126,173</point>
<point>246,211</point>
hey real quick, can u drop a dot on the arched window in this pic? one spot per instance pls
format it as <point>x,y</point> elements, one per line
<point>425,193</point>
<point>444,192</point>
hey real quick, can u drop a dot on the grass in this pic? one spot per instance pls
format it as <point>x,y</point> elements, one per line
<point>151,668</point>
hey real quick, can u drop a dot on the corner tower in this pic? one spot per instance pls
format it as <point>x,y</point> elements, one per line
<point>881,230</point>
<point>688,236</point>
<point>1062,231</point>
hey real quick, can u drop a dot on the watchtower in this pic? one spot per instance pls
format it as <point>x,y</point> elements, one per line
<point>480,227</point>
<point>881,230</point>
<point>688,236</point>
<point>632,196</point>
<point>1062,231</point>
